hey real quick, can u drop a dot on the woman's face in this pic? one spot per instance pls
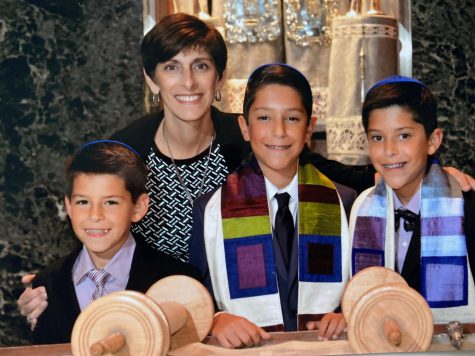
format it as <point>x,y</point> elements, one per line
<point>187,84</point>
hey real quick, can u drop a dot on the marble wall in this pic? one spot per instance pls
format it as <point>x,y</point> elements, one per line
<point>444,59</point>
<point>70,72</point>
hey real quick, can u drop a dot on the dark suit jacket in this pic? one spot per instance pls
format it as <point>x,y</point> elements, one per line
<point>411,270</point>
<point>288,282</point>
<point>56,323</point>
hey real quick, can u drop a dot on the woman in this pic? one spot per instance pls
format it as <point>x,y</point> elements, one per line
<point>190,146</point>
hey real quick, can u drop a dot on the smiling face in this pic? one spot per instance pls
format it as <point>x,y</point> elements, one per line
<point>398,148</point>
<point>278,131</point>
<point>101,212</point>
<point>187,84</point>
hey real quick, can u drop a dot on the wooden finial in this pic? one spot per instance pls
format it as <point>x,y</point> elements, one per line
<point>392,330</point>
<point>110,344</point>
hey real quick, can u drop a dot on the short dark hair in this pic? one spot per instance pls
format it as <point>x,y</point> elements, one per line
<point>177,32</point>
<point>108,157</point>
<point>412,96</point>
<point>282,74</point>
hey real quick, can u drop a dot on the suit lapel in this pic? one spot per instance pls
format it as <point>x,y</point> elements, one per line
<point>137,276</point>
<point>147,268</point>
<point>411,270</point>
<point>469,227</point>
<point>70,306</point>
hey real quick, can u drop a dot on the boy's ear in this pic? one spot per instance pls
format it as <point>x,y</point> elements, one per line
<point>311,125</point>
<point>244,127</point>
<point>67,203</point>
<point>140,207</point>
<point>154,88</point>
<point>435,140</point>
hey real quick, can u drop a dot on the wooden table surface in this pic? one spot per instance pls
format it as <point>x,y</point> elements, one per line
<point>288,344</point>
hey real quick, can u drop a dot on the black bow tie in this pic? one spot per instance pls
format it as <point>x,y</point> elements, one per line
<point>410,219</point>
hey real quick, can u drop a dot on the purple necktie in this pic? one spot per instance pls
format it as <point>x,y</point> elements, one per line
<point>99,277</point>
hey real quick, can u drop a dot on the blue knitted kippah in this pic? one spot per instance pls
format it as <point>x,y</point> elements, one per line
<point>396,79</point>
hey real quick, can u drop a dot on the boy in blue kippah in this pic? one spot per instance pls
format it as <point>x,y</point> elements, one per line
<point>417,220</point>
<point>272,243</point>
<point>105,193</point>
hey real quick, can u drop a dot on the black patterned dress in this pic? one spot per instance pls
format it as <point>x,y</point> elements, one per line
<point>167,225</point>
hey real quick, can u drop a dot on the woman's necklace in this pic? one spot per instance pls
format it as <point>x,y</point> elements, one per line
<point>180,178</point>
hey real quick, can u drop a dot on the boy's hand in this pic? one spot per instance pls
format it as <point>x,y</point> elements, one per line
<point>466,182</point>
<point>329,327</point>
<point>32,302</point>
<point>234,331</point>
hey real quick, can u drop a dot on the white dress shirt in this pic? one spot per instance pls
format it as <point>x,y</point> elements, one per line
<point>292,189</point>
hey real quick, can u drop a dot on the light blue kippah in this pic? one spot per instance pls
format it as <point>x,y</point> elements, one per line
<point>108,141</point>
<point>396,79</point>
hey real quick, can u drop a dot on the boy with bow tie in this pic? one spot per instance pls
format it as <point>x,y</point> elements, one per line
<point>416,220</point>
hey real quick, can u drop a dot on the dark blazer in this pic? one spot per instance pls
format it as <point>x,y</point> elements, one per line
<point>287,281</point>
<point>411,270</point>
<point>56,323</point>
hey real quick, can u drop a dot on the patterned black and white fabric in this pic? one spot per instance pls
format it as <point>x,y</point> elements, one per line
<point>167,225</point>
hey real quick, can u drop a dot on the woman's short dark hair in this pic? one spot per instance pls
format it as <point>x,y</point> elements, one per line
<point>177,32</point>
<point>278,73</point>
<point>108,157</point>
<point>412,96</point>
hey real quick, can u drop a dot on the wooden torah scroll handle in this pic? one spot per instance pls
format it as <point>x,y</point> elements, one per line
<point>364,281</point>
<point>385,315</point>
<point>109,345</point>
<point>131,323</point>
<point>197,306</point>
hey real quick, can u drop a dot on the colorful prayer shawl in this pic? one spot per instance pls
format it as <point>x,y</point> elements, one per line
<point>238,238</point>
<point>446,280</point>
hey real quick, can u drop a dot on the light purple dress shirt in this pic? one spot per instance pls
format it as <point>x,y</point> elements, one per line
<point>118,267</point>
